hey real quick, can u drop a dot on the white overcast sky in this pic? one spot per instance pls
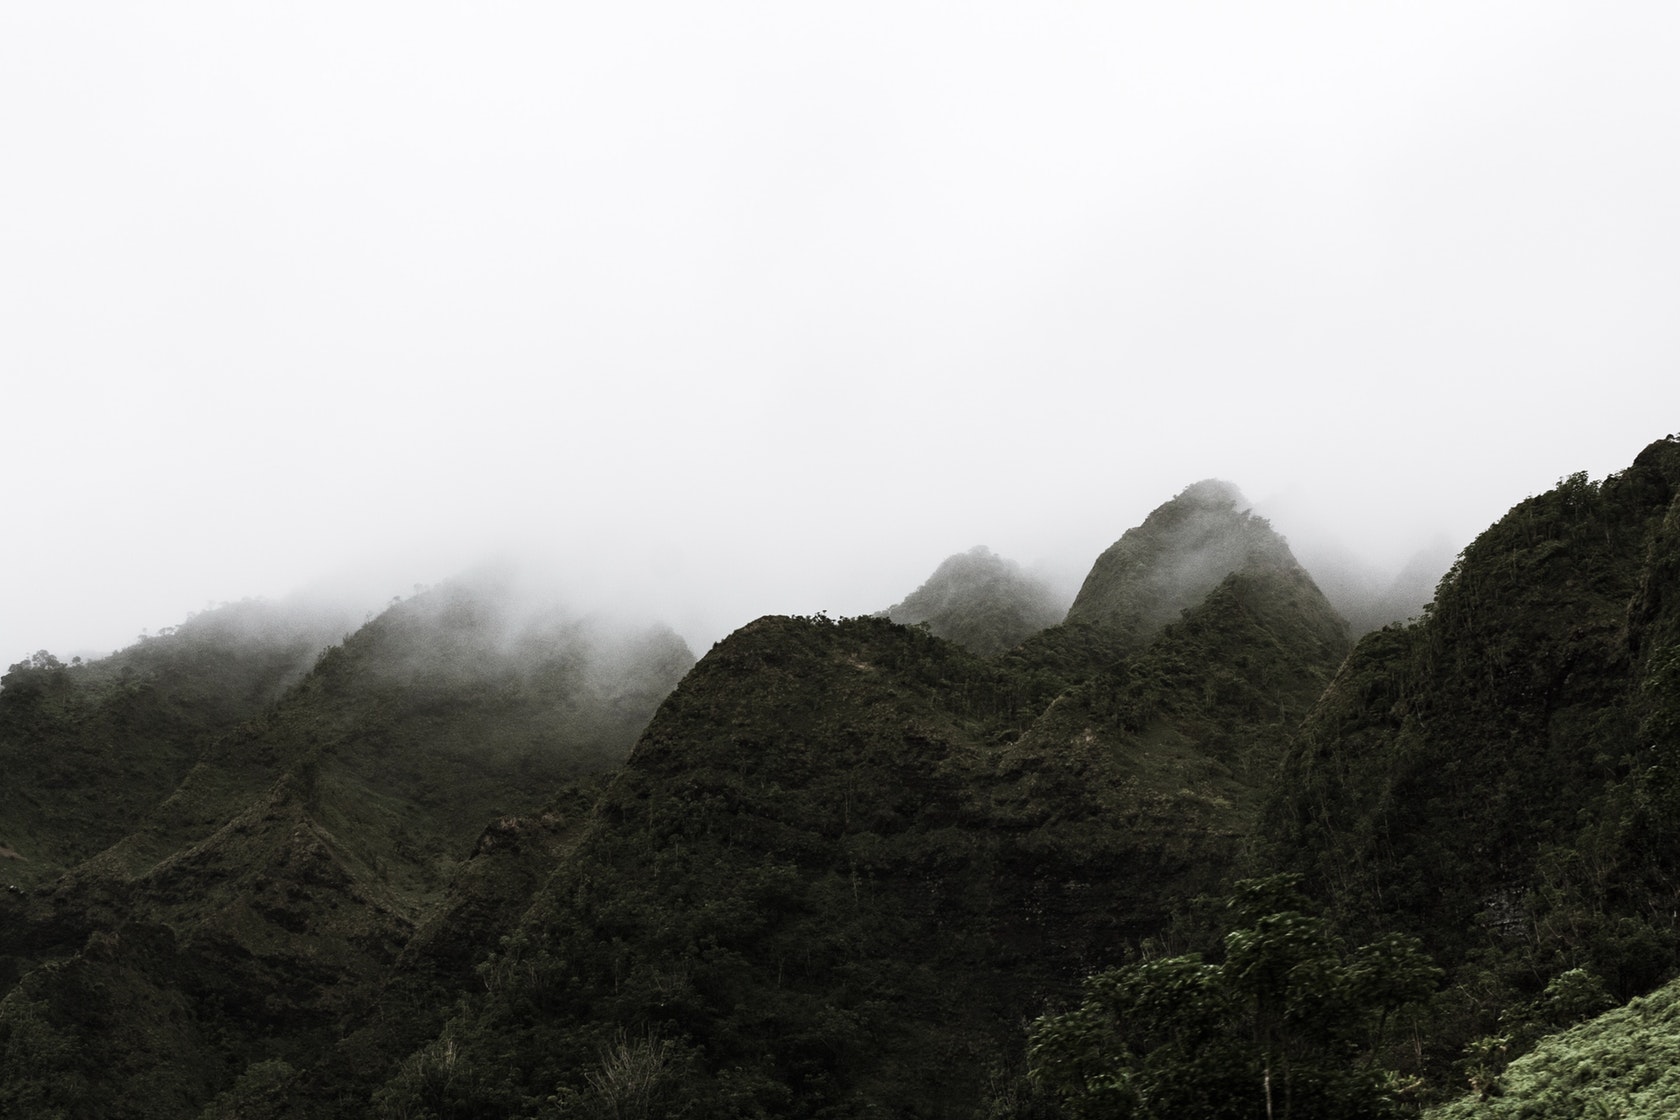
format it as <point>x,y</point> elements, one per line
<point>731,308</point>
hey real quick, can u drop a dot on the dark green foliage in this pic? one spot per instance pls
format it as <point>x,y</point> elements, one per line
<point>840,866</point>
<point>832,874</point>
<point>1288,1024</point>
<point>87,749</point>
<point>746,902</point>
<point>1175,743</point>
<point>262,1092</point>
<point>1494,778</point>
<point>294,857</point>
<point>424,874</point>
<point>103,1034</point>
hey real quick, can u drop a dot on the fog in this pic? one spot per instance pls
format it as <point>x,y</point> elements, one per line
<point>714,310</point>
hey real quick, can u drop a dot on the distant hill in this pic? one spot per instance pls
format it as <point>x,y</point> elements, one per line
<point>1370,598</point>
<point>982,602</point>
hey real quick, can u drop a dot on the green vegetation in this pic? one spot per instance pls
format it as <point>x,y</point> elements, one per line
<point>477,860</point>
<point>1496,777</point>
<point>88,748</point>
<point>846,855</point>
<point>1623,1064</point>
<point>259,905</point>
<point>1288,1023</point>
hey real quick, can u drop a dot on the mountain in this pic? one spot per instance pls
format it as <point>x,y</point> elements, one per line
<point>251,913</point>
<point>485,857</point>
<point>1370,598</point>
<point>1177,556</point>
<point>1410,591</point>
<point>1499,776</point>
<point>827,832</point>
<point>982,602</point>
<point>88,748</point>
<point>847,854</point>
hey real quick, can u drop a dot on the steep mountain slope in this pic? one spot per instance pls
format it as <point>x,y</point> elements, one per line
<point>258,941</point>
<point>263,902</point>
<point>741,915</point>
<point>87,749</point>
<point>982,602</point>
<point>1499,778</point>
<point>1170,750</point>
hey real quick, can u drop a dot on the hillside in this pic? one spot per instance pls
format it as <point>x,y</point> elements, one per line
<point>88,748</point>
<point>251,911</point>
<point>1624,1063</point>
<point>828,832</point>
<point>1498,777</point>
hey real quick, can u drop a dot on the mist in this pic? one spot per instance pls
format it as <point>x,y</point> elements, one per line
<point>707,313</point>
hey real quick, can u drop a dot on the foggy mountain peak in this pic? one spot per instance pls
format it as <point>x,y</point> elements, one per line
<point>1213,493</point>
<point>981,600</point>
<point>1181,552</point>
<point>496,624</point>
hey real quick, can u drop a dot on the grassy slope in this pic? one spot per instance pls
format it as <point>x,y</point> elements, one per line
<point>1623,1064</point>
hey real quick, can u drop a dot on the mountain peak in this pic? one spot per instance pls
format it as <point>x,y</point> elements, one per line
<point>1210,493</point>
<point>981,600</point>
<point>1180,553</point>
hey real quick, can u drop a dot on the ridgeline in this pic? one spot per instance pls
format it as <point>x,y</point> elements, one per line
<point>470,861</point>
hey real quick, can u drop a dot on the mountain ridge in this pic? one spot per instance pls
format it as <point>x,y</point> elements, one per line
<point>837,863</point>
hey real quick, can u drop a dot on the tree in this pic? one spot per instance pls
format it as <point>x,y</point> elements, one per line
<point>1289,1026</point>
<point>35,676</point>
